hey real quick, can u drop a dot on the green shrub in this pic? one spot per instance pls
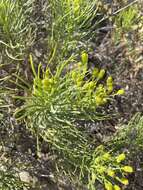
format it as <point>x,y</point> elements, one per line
<point>79,159</point>
<point>56,102</point>
<point>127,21</point>
<point>71,26</point>
<point>69,97</point>
<point>130,136</point>
<point>126,18</point>
<point>15,28</point>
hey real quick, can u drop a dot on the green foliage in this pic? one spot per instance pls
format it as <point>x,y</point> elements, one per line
<point>78,158</point>
<point>69,97</point>
<point>56,101</point>
<point>71,27</point>
<point>9,181</point>
<point>126,21</point>
<point>15,28</point>
<point>130,136</point>
<point>126,18</point>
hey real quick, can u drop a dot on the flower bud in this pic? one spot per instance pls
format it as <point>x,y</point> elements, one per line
<point>128,169</point>
<point>91,85</point>
<point>101,74</point>
<point>45,82</point>
<point>120,92</point>
<point>108,186</point>
<point>110,173</point>
<point>120,157</point>
<point>109,81</point>
<point>109,89</point>
<point>84,58</point>
<point>95,72</point>
<point>106,156</point>
<point>99,100</point>
<point>116,187</point>
<point>79,64</point>
<point>124,181</point>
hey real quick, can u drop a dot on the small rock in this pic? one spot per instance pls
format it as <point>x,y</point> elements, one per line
<point>25,176</point>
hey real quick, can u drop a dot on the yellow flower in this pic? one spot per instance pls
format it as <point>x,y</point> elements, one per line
<point>120,157</point>
<point>128,169</point>
<point>95,72</point>
<point>106,156</point>
<point>109,80</point>
<point>99,100</point>
<point>91,85</point>
<point>104,100</point>
<point>101,74</point>
<point>124,181</point>
<point>79,65</point>
<point>108,186</point>
<point>111,173</point>
<point>116,187</point>
<point>120,92</point>
<point>45,82</point>
<point>110,88</point>
<point>102,169</point>
<point>84,58</point>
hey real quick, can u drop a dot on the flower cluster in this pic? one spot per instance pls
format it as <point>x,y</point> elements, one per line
<point>75,92</point>
<point>108,170</point>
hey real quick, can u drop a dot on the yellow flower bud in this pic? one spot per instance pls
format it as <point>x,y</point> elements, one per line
<point>116,187</point>
<point>95,72</point>
<point>110,173</point>
<point>124,181</point>
<point>79,83</point>
<point>84,58</point>
<point>120,92</point>
<point>101,74</point>
<point>128,169</point>
<point>109,88</point>
<point>102,169</point>
<point>79,64</point>
<point>108,186</point>
<point>109,80</point>
<point>100,89</point>
<point>106,156</point>
<point>91,84</point>
<point>120,157</point>
<point>104,100</point>
<point>45,82</point>
<point>99,100</point>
